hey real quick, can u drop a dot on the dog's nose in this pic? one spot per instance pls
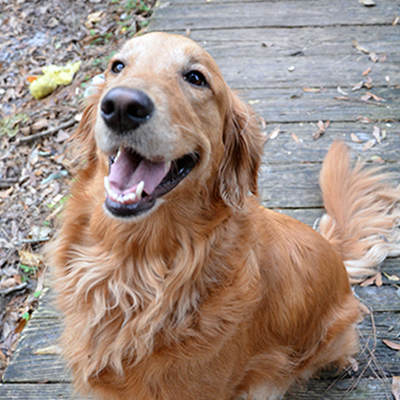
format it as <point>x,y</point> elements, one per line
<point>124,109</point>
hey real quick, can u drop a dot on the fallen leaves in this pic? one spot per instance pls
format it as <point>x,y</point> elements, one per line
<point>372,55</point>
<point>355,138</point>
<point>274,133</point>
<point>322,127</point>
<point>391,345</point>
<point>367,3</point>
<point>376,279</point>
<point>396,387</point>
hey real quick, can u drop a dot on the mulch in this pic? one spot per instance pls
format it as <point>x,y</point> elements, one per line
<point>35,165</point>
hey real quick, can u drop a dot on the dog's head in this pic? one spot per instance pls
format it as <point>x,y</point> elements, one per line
<point>168,122</point>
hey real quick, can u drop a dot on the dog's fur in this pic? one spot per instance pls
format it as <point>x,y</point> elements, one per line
<point>209,296</point>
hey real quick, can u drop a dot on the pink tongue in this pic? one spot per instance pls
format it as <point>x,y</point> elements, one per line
<point>129,170</point>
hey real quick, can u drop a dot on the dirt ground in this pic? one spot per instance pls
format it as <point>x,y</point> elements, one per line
<point>35,166</point>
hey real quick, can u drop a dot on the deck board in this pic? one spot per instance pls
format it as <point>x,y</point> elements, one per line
<point>255,42</point>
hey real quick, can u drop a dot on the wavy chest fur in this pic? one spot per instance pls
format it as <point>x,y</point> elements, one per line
<point>144,294</point>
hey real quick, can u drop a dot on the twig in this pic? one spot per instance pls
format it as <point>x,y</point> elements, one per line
<point>5,292</point>
<point>7,182</point>
<point>47,132</point>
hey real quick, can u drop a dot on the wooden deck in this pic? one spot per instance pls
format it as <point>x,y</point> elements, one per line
<point>296,62</point>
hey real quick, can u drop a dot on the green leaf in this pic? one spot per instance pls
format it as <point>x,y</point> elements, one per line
<point>37,293</point>
<point>26,316</point>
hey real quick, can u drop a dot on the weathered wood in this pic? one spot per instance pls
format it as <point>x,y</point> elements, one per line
<point>299,42</point>
<point>29,391</point>
<point>212,15</point>
<point>332,389</point>
<point>296,105</point>
<point>328,71</point>
<point>284,149</point>
<point>293,185</point>
<point>26,366</point>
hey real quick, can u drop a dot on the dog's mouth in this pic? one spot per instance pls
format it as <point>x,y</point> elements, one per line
<point>135,183</point>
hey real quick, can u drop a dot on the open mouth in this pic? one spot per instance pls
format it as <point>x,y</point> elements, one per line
<point>135,183</point>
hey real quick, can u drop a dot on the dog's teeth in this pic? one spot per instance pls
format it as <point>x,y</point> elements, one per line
<point>167,166</point>
<point>129,198</point>
<point>139,189</point>
<point>107,184</point>
<point>114,196</point>
<point>119,153</point>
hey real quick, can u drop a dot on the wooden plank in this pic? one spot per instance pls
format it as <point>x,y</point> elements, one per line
<point>214,15</point>
<point>312,390</point>
<point>298,42</point>
<point>26,366</point>
<point>366,389</point>
<point>285,72</point>
<point>29,391</point>
<point>284,149</point>
<point>294,186</point>
<point>379,299</point>
<point>296,105</point>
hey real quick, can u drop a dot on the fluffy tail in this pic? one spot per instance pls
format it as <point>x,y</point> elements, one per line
<point>363,212</point>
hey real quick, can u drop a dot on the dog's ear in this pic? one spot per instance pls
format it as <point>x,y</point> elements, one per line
<point>83,140</point>
<point>243,145</point>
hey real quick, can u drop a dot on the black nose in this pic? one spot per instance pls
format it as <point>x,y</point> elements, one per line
<point>124,109</point>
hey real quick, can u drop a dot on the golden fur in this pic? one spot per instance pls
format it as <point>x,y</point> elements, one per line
<point>208,296</point>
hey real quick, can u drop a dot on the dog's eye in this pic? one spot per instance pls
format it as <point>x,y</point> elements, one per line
<point>195,78</point>
<point>117,67</point>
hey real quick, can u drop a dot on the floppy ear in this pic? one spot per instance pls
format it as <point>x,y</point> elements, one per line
<point>83,140</point>
<point>243,143</point>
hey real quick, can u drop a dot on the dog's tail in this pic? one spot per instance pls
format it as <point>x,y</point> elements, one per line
<point>363,212</point>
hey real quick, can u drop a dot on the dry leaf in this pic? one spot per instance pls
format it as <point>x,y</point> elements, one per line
<point>366,72</point>
<point>368,82</point>
<point>275,133</point>
<point>377,279</point>
<point>5,193</point>
<point>369,144</point>
<point>358,86</point>
<point>355,138</point>
<point>30,259</point>
<point>93,19</point>
<point>311,90</point>
<point>321,126</point>
<point>367,3</point>
<point>373,57</point>
<point>366,97</point>
<point>377,159</point>
<point>40,124</point>
<point>364,120</point>
<point>394,278</point>
<point>360,48</point>
<point>341,91</point>
<point>396,387</point>
<point>391,345</point>
<point>377,133</point>
<point>375,97</point>
<point>341,98</point>
<point>295,138</point>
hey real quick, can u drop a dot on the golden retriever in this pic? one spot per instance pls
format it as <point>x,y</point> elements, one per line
<point>174,283</point>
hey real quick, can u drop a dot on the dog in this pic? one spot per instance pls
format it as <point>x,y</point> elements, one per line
<point>174,283</point>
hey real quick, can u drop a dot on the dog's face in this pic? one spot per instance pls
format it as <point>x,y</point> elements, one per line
<point>163,118</point>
